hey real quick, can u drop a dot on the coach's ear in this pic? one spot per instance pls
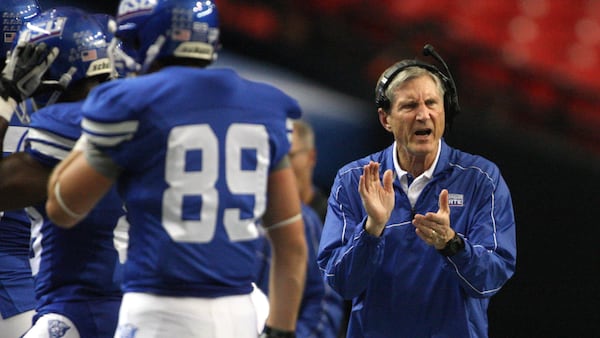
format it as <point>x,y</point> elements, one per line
<point>383,119</point>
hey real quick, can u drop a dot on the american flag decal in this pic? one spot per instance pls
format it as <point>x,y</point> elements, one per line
<point>9,37</point>
<point>181,34</point>
<point>89,55</point>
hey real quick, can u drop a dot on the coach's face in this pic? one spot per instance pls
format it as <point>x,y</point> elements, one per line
<point>416,118</point>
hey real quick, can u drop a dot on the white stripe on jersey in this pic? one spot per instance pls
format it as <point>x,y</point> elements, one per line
<point>13,138</point>
<point>50,144</point>
<point>289,126</point>
<point>37,221</point>
<point>109,134</point>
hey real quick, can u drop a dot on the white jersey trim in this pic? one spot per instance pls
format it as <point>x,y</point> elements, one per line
<point>109,134</point>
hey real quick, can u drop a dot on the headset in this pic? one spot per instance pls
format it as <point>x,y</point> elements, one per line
<point>451,106</point>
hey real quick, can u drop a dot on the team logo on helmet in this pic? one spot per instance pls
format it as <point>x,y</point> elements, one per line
<point>44,30</point>
<point>130,8</point>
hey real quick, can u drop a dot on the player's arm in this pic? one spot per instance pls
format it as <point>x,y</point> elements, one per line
<point>285,230</point>
<point>23,180</point>
<point>75,187</point>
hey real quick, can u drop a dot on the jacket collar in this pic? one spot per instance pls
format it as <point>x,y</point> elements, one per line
<point>439,164</point>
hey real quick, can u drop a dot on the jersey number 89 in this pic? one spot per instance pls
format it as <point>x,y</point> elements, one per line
<point>202,182</point>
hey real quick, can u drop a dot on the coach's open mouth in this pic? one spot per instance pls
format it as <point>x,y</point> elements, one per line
<point>423,132</point>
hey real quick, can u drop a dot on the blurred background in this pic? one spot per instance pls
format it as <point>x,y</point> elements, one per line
<point>528,77</point>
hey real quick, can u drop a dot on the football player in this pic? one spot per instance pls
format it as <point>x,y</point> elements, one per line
<point>200,155</point>
<point>77,272</point>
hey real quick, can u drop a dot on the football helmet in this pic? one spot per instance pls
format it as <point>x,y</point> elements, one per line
<point>14,13</point>
<point>155,29</point>
<point>109,24</point>
<point>81,40</point>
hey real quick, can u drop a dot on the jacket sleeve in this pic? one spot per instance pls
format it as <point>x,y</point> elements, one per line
<point>489,258</point>
<point>348,256</point>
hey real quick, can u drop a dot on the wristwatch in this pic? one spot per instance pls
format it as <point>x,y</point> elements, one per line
<point>453,246</point>
<point>269,332</point>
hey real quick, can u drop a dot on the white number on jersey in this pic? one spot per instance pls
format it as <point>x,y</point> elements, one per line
<point>202,182</point>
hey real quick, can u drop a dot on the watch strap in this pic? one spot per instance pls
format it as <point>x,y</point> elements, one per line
<point>453,246</point>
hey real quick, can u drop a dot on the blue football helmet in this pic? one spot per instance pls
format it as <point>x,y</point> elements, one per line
<point>121,61</point>
<point>154,29</point>
<point>82,42</point>
<point>14,13</point>
<point>109,24</point>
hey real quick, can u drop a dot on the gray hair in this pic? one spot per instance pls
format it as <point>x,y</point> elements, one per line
<point>408,74</point>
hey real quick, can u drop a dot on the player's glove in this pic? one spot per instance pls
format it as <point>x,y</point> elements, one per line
<point>22,74</point>
<point>270,332</point>
<point>25,68</point>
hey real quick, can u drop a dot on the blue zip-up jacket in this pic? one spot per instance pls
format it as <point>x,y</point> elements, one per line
<point>400,286</point>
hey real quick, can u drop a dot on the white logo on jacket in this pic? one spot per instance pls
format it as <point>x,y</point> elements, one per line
<point>455,200</point>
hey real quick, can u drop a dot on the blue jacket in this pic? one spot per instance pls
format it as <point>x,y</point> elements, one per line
<point>400,286</point>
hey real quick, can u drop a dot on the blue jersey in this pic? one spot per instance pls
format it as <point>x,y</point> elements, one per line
<point>321,310</point>
<point>400,286</point>
<point>195,147</point>
<point>77,269</point>
<point>16,280</point>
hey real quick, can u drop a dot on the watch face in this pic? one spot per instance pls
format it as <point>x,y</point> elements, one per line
<point>457,244</point>
<point>453,246</point>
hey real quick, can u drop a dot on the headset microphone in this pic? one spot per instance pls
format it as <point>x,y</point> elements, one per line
<point>428,50</point>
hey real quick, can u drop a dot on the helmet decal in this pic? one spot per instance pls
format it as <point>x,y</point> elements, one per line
<point>14,13</point>
<point>131,8</point>
<point>39,31</point>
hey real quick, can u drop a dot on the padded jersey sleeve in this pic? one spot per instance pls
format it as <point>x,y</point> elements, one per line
<point>53,132</point>
<point>108,117</point>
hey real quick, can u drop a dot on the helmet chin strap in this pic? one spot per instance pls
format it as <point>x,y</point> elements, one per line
<point>22,112</point>
<point>58,88</point>
<point>152,52</point>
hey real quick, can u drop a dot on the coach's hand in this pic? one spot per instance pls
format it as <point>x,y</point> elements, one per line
<point>434,228</point>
